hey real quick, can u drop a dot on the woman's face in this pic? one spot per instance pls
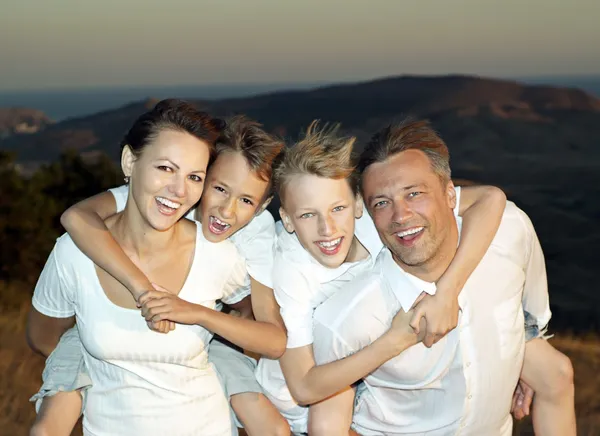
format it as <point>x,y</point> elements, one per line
<point>167,179</point>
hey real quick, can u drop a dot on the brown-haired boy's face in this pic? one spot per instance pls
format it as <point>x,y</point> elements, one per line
<point>232,195</point>
<point>410,205</point>
<point>321,212</point>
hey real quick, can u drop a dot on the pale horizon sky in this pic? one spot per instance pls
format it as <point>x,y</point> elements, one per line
<point>75,43</point>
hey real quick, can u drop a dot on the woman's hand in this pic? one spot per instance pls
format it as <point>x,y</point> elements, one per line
<point>162,305</point>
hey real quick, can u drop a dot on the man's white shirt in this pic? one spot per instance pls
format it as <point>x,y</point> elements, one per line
<point>464,383</point>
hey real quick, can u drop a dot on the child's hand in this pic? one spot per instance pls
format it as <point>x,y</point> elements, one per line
<point>162,326</point>
<point>161,305</point>
<point>522,399</point>
<point>441,313</point>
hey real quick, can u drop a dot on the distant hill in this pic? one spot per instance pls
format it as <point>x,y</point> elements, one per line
<point>17,120</point>
<point>541,144</point>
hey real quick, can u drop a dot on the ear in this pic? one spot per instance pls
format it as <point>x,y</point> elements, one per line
<point>359,206</point>
<point>285,219</point>
<point>264,205</point>
<point>127,161</point>
<point>451,195</point>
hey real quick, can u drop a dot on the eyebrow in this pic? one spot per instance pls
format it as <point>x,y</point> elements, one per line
<point>177,166</point>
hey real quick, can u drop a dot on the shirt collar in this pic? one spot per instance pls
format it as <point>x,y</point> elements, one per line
<point>406,287</point>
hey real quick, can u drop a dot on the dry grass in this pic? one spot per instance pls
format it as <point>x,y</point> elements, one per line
<point>20,375</point>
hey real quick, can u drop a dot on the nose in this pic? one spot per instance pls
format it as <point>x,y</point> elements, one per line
<point>402,212</point>
<point>178,187</point>
<point>227,209</point>
<point>327,226</point>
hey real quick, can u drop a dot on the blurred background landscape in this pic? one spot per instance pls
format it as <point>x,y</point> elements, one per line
<point>514,91</point>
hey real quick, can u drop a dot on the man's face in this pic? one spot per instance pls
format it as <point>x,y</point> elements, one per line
<point>322,212</point>
<point>233,195</point>
<point>410,205</point>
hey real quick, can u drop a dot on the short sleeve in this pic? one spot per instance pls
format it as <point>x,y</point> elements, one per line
<point>54,293</point>
<point>457,189</point>
<point>237,285</point>
<point>329,346</point>
<point>535,291</point>
<point>293,289</point>
<point>121,193</point>
<point>255,243</point>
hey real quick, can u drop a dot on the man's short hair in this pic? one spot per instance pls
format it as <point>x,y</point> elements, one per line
<point>322,152</point>
<point>259,148</point>
<point>408,135</point>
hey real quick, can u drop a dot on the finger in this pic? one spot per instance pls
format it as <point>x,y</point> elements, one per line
<point>152,313</point>
<point>416,319</point>
<point>171,326</point>
<point>429,340</point>
<point>527,400</point>
<point>160,317</point>
<point>149,295</point>
<point>154,303</point>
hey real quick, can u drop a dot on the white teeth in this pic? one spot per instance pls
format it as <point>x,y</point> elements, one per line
<point>330,244</point>
<point>221,223</point>
<point>168,203</point>
<point>409,232</point>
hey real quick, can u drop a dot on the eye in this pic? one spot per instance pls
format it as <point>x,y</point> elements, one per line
<point>195,178</point>
<point>380,204</point>
<point>414,194</point>
<point>247,201</point>
<point>307,215</point>
<point>165,168</point>
<point>338,208</point>
<point>218,188</point>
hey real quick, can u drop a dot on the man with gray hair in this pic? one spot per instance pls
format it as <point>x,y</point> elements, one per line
<point>464,383</point>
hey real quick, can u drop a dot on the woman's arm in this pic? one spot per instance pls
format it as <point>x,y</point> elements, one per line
<point>44,332</point>
<point>265,335</point>
<point>84,222</point>
<point>481,208</point>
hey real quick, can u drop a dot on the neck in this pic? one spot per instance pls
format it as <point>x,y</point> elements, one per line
<point>137,237</point>
<point>432,269</point>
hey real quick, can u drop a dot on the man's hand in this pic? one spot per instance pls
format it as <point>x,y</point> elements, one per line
<point>164,326</point>
<point>441,313</point>
<point>161,305</point>
<point>522,399</point>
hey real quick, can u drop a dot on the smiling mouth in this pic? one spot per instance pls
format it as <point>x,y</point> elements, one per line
<point>330,247</point>
<point>408,236</point>
<point>166,206</point>
<point>216,226</point>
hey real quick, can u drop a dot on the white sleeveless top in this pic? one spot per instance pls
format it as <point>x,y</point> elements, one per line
<point>144,382</point>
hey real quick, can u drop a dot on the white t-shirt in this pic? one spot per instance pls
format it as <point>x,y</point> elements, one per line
<point>301,284</point>
<point>464,383</point>
<point>254,242</point>
<point>144,382</point>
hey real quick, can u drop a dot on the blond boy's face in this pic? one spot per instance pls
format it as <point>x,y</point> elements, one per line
<point>321,212</point>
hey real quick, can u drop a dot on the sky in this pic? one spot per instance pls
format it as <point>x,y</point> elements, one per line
<point>85,43</point>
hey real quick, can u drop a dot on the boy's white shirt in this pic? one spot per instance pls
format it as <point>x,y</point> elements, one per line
<point>301,284</point>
